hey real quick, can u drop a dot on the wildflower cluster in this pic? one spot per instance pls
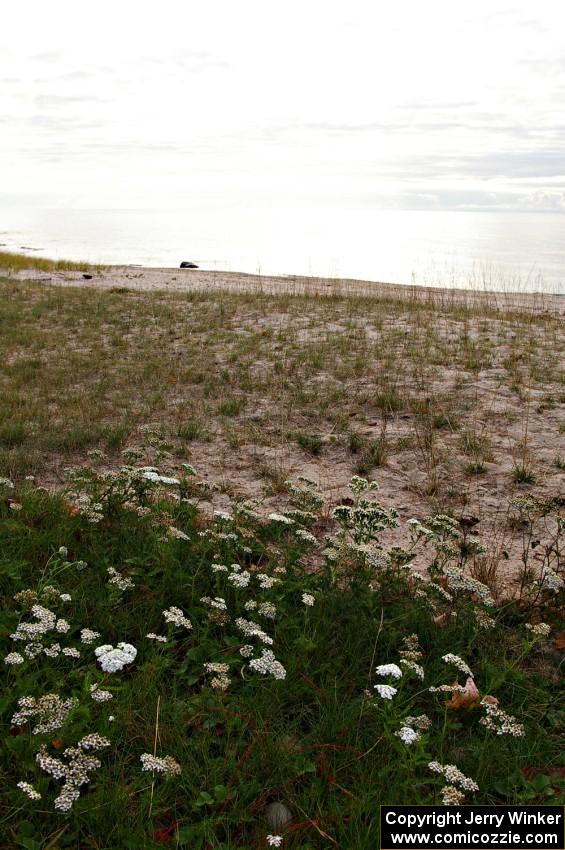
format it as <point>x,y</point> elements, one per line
<point>497,721</point>
<point>176,616</point>
<point>75,771</point>
<point>160,764</point>
<point>451,795</point>
<point>120,581</point>
<point>114,659</point>
<point>49,712</point>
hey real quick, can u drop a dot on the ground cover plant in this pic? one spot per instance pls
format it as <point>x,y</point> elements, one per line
<point>233,658</point>
<point>183,676</point>
<point>459,406</point>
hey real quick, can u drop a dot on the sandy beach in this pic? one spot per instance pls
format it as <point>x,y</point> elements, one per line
<point>440,395</point>
<point>198,280</point>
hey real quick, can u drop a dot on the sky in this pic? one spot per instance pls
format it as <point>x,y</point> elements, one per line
<point>410,105</point>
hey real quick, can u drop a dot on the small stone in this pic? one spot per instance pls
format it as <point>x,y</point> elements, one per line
<point>186,265</point>
<point>277,815</point>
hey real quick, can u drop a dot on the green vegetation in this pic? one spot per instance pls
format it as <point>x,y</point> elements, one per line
<point>100,390</point>
<point>21,262</point>
<point>252,666</point>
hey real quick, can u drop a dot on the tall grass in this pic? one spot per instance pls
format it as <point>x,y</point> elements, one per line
<point>13,262</point>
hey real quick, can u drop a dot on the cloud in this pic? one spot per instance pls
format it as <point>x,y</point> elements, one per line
<point>543,200</point>
<point>63,101</point>
<point>48,56</point>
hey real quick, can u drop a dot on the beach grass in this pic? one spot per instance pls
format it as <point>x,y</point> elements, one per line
<point>14,262</point>
<point>134,429</point>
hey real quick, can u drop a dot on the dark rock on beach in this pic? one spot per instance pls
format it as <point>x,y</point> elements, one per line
<point>87,276</point>
<point>187,265</point>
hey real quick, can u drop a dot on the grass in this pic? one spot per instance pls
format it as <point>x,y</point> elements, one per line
<point>319,740</point>
<point>246,384</point>
<point>21,262</point>
<point>253,390</point>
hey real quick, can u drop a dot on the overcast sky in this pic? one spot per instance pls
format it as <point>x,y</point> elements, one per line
<point>399,104</point>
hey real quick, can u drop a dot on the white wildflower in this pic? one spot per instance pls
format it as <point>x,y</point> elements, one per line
<point>306,536</point>
<point>389,670</point>
<point>251,629</point>
<point>94,741</point>
<point>29,790</point>
<point>268,610</point>
<point>217,602</point>
<point>385,691</point>
<point>114,659</point>
<point>308,599</point>
<point>265,581</point>
<point>241,579</point>
<point>224,516</point>
<point>450,796</point>
<point>177,534</point>
<point>14,658</point>
<point>221,682</point>
<point>268,665</point>
<point>99,695</point>
<point>457,662</point>
<point>116,578</point>
<point>408,735</point>
<point>32,650</point>
<point>152,475</point>
<point>411,665</point>
<point>50,711</point>
<point>164,764</point>
<point>285,520</point>
<point>453,775</point>
<point>216,667</point>
<point>176,617</point>
<point>421,722</point>
<point>88,636</point>
<point>498,721</point>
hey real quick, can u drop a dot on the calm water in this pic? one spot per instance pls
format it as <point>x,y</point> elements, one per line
<point>496,250</point>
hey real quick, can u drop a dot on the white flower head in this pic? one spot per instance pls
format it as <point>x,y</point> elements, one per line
<point>164,764</point>
<point>14,658</point>
<point>389,670</point>
<point>386,691</point>
<point>29,790</point>
<point>114,659</point>
<point>458,662</point>
<point>408,735</point>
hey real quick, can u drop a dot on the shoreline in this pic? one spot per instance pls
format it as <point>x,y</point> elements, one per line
<point>146,278</point>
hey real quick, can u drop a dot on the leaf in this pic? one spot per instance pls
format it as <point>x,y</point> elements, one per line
<point>559,640</point>
<point>468,698</point>
<point>203,799</point>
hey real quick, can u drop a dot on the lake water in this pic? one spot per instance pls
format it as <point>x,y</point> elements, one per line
<point>494,250</point>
